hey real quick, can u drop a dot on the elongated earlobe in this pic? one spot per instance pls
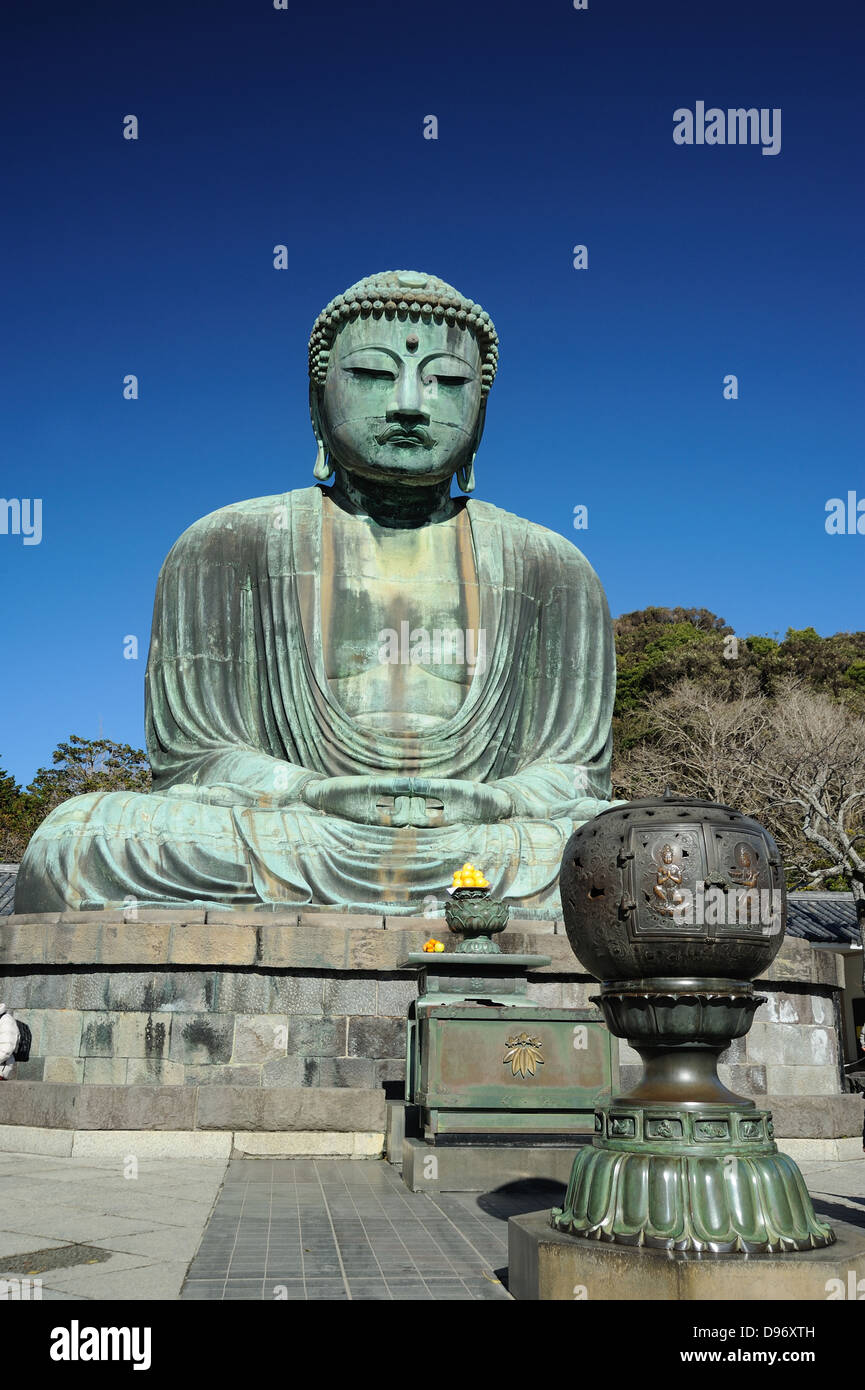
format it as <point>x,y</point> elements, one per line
<point>323,467</point>
<point>466,476</point>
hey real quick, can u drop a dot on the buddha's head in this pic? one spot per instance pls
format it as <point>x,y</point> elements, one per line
<point>400,367</point>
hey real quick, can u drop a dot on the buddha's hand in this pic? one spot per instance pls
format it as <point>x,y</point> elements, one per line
<point>363,799</point>
<point>404,801</point>
<point>215,794</point>
<point>590,806</point>
<point>464,802</point>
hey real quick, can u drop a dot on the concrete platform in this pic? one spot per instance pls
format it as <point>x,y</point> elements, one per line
<point>548,1265</point>
<point>483,1167</point>
<point>400,1120</point>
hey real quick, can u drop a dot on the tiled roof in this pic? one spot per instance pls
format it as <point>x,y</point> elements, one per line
<point>8,874</point>
<point>827,919</point>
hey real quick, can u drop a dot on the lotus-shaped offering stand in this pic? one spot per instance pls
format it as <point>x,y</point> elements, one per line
<point>675,905</point>
<point>474,915</point>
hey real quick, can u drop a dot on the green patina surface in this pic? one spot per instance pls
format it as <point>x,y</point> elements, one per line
<point>508,1069</point>
<point>449,978</point>
<point>707,1178</point>
<point>354,687</point>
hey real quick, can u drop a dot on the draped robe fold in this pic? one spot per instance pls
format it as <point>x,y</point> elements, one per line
<point>238,707</point>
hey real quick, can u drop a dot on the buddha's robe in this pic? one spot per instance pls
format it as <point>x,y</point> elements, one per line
<point>238,703</point>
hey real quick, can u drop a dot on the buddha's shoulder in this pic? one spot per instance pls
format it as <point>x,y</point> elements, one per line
<point>243,521</point>
<point>536,542</point>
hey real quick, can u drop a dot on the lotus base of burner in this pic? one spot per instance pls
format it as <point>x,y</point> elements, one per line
<point>706,1178</point>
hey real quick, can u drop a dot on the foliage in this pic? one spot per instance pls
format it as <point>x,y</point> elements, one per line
<point>700,710</point>
<point>794,760</point>
<point>656,648</point>
<point>79,766</point>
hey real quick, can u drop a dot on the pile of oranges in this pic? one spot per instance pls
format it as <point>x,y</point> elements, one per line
<point>469,877</point>
<point>433,946</point>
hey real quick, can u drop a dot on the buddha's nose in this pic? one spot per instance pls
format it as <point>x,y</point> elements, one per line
<point>407,404</point>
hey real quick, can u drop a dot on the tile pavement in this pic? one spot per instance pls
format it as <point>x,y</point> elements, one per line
<point>262,1229</point>
<point>341,1229</point>
<point>257,1229</point>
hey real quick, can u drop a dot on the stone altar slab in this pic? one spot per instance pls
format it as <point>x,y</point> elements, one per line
<point>548,1265</point>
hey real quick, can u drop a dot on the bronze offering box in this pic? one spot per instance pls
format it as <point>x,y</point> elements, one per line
<point>485,1062</point>
<point>447,977</point>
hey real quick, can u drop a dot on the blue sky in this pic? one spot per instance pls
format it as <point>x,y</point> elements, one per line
<point>305,127</point>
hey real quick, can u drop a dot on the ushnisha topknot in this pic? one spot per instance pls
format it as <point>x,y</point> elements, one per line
<point>405,294</point>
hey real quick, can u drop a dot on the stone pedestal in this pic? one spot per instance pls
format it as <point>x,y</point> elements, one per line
<point>550,1265</point>
<point>272,1032</point>
<point>165,1023</point>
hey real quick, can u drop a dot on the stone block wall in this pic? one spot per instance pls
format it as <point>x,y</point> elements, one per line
<point>253,998</point>
<point>241,1027</point>
<point>309,1000</point>
<point>229,1027</point>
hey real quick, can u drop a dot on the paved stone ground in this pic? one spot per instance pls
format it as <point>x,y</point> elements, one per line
<point>269,1229</point>
<point>837,1189</point>
<point>106,1235</point>
<point>342,1229</point>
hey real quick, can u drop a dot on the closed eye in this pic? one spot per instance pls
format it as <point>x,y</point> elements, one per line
<point>371,373</point>
<point>448,380</point>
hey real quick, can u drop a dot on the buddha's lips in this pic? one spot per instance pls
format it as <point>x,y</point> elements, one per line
<point>396,434</point>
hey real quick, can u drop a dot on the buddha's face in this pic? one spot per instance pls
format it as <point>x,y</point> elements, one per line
<point>402,400</point>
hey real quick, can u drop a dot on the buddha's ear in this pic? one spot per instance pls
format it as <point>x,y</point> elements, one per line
<point>466,475</point>
<point>479,427</point>
<point>323,467</point>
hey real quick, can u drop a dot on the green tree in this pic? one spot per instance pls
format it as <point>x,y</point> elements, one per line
<point>14,833</point>
<point>795,762</point>
<point>656,648</point>
<point>79,766</point>
<point>89,765</point>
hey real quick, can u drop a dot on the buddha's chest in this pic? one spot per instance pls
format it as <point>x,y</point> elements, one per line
<point>399,621</point>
